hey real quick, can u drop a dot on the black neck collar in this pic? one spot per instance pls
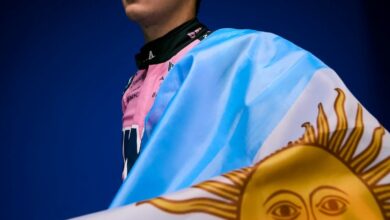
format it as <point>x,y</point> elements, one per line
<point>165,47</point>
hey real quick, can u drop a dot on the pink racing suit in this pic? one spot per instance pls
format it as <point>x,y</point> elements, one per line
<point>154,61</point>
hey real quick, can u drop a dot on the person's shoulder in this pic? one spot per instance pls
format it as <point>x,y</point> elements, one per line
<point>254,47</point>
<point>249,37</point>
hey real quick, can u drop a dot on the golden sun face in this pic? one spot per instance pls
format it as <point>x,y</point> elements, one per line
<point>319,176</point>
<point>295,184</point>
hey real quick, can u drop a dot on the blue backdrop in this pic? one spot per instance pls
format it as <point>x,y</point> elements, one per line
<point>64,65</point>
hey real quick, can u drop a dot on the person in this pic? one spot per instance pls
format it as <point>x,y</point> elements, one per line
<point>247,125</point>
<point>168,40</point>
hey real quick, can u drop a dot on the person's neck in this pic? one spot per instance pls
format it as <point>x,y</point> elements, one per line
<point>159,29</point>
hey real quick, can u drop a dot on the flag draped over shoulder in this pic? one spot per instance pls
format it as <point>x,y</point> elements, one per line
<point>249,126</point>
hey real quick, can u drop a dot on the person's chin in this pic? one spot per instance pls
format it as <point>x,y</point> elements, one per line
<point>133,12</point>
<point>137,16</point>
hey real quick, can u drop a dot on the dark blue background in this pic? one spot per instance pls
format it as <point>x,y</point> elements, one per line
<point>64,65</point>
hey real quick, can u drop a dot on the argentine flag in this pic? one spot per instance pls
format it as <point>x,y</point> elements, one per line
<point>250,126</point>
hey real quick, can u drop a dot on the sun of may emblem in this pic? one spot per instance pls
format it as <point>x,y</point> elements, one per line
<point>319,176</point>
